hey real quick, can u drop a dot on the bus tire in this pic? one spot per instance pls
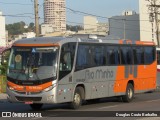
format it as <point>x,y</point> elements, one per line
<point>36,106</point>
<point>77,98</point>
<point>129,95</point>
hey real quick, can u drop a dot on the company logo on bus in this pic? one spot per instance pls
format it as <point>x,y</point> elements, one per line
<point>99,74</point>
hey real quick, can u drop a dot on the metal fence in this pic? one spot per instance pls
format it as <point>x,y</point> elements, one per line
<point>2,84</point>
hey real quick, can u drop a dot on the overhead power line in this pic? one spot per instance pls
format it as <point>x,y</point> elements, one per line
<point>110,27</point>
<point>90,14</point>
<point>75,12</point>
<point>18,16</point>
<point>15,3</point>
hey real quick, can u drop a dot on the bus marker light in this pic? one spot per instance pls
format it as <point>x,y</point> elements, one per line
<point>65,90</point>
<point>69,89</point>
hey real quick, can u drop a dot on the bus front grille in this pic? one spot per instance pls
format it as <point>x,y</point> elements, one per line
<point>23,99</point>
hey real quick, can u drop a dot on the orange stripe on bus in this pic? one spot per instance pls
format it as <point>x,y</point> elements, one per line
<point>35,45</point>
<point>144,43</point>
<point>21,88</point>
<point>15,87</point>
<point>137,42</point>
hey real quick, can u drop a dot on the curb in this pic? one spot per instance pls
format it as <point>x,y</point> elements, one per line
<point>3,96</point>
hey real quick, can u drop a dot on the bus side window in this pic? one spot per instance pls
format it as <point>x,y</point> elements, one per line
<point>158,58</point>
<point>138,55</point>
<point>98,56</point>
<point>149,55</point>
<point>113,55</point>
<point>126,56</point>
<point>83,57</point>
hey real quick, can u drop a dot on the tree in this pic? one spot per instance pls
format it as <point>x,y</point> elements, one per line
<point>31,25</point>
<point>74,28</point>
<point>3,68</point>
<point>18,28</point>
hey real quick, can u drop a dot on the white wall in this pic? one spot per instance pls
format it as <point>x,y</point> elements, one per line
<point>2,31</point>
<point>90,23</point>
<point>145,25</point>
<point>47,28</point>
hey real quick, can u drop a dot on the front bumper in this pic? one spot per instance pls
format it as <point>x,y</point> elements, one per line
<point>42,97</point>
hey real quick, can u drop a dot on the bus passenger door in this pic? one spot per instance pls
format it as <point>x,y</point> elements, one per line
<point>65,86</point>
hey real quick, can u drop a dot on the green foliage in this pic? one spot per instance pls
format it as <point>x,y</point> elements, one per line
<point>31,25</point>
<point>3,69</point>
<point>3,82</point>
<point>74,28</point>
<point>18,28</point>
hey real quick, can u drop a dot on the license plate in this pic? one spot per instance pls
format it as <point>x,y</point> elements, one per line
<point>28,102</point>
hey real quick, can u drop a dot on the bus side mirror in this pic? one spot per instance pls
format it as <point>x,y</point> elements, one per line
<point>5,56</point>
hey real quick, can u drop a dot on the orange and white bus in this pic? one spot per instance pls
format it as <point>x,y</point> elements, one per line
<point>52,70</point>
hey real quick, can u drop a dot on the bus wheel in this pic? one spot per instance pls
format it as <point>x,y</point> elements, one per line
<point>36,106</point>
<point>128,97</point>
<point>77,99</point>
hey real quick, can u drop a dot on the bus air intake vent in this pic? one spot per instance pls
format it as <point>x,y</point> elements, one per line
<point>23,99</point>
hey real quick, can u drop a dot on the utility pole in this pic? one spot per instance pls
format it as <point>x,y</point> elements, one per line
<point>156,7</point>
<point>36,18</point>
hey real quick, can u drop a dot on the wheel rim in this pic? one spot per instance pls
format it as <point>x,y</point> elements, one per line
<point>77,99</point>
<point>130,93</point>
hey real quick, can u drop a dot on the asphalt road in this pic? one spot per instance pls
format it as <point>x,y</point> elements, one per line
<point>142,102</point>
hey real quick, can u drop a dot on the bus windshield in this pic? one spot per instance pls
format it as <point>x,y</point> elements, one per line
<point>33,63</point>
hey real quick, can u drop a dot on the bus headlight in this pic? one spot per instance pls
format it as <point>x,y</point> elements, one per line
<point>49,88</point>
<point>11,88</point>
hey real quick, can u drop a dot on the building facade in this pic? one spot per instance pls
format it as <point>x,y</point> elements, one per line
<point>92,26</point>
<point>3,41</point>
<point>125,26</point>
<point>55,14</point>
<point>26,35</point>
<point>47,28</point>
<point>147,21</point>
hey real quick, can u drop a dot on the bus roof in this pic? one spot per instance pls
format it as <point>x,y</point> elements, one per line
<point>57,41</point>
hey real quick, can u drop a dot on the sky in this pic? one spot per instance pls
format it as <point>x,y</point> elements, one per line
<point>106,8</point>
